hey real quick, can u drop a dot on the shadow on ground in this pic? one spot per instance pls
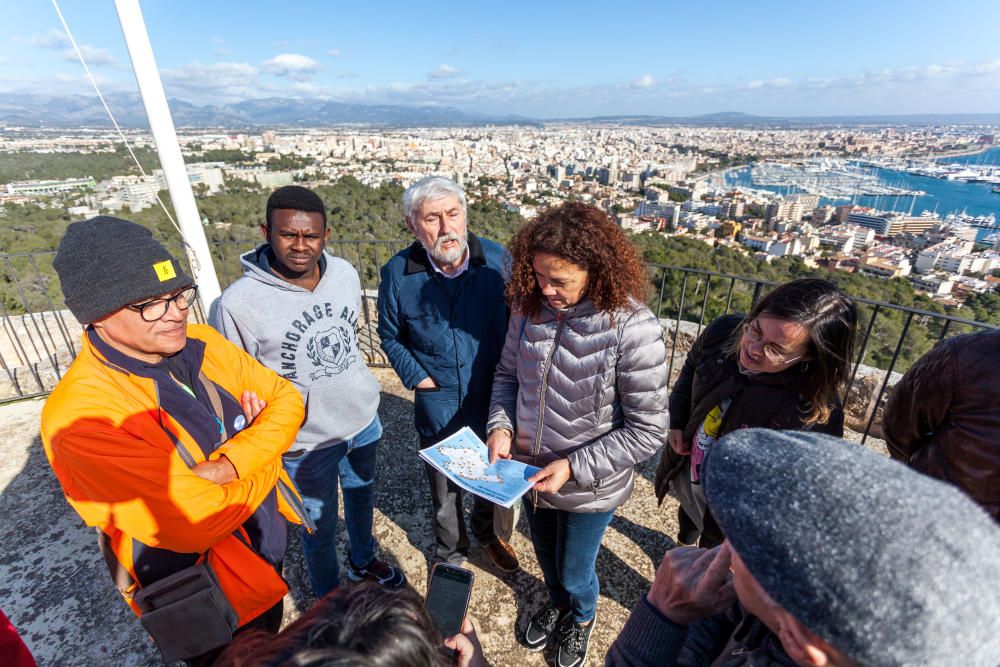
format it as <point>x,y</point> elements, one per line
<point>56,589</point>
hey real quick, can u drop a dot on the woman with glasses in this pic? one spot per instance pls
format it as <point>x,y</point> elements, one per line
<point>784,365</point>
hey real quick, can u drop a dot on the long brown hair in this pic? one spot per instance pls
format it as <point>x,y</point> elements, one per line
<point>587,237</point>
<point>831,319</point>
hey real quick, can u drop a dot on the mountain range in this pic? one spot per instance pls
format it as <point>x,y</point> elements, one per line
<point>34,110</point>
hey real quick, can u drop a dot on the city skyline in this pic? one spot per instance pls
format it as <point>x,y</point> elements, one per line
<point>568,61</point>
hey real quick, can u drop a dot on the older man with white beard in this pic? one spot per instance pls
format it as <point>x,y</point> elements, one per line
<point>442,322</point>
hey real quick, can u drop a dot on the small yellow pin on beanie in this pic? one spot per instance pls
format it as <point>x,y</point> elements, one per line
<point>105,263</point>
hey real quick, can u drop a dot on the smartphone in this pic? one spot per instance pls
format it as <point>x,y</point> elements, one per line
<point>448,597</point>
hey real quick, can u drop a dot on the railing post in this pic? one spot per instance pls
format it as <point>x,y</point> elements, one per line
<point>885,380</point>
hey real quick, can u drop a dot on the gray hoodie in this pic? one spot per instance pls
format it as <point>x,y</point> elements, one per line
<point>309,338</point>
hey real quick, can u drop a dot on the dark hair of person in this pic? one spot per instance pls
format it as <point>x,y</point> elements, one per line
<point>364,626</point>
<point>587,237</point>
<point>294,198</point>
<point>831,319</point>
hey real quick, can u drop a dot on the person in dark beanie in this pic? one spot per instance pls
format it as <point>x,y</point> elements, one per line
<point>308,334</point>
<point>167,439</point>
<point>838,556</point>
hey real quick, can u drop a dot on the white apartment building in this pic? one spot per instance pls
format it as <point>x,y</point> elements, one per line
<point>786,246</point>
<point>755,242</point>
<point>952,256</point>
<point>880,267</point>
<point>840,242</point>
<point>44,188</point>
<point>933,285</point>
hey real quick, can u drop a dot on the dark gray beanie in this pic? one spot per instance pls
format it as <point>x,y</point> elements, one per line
<point>888,566</point>
<point>106,263</point>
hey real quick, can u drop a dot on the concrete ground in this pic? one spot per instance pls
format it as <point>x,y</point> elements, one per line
<point>56,589</point>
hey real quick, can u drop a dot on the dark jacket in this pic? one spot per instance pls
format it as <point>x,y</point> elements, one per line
<point>943,417</point>
<point>451,330</point>
<point>732,639</point>
<point>709,375</point>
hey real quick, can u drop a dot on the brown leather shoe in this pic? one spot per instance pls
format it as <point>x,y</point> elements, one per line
<point>502,555</point>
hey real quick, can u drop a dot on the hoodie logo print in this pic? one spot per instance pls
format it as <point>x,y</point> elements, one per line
<point>329,351</point>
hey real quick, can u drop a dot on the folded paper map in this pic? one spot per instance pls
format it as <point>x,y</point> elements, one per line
<point>465,460</point>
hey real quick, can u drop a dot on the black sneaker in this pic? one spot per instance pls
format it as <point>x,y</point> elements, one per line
<point>542,625</point>
<point>378,571</point>
<point>573,641</point>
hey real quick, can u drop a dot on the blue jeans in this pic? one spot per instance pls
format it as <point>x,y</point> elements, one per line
<point>566,546</point>
<point>316,473</point>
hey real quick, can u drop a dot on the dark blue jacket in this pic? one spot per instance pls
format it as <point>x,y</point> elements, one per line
<point>451,330</point>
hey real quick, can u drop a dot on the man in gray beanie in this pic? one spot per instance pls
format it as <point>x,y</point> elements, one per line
<point>167,439</point>
<point>834,556</point>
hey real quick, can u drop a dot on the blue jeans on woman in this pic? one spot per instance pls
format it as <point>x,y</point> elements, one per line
<point>566,546</point>
<point>316,474</point>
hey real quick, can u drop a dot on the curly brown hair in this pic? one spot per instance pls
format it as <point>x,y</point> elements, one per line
<point>587,237</point>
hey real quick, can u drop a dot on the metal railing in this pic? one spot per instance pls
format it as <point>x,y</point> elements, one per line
<point>39,338</point>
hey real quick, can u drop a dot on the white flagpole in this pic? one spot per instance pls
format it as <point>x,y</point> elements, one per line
<point>162,125</point>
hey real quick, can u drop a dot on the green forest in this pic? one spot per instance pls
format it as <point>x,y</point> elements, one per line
<point>31,165</point>
<point>374,217</point>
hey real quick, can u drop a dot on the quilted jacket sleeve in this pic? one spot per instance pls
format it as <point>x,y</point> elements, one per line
<point>503,400</point>
<point>919,402</point>
<point>641,379</point>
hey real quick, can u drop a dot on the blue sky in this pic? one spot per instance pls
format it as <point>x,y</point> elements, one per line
<point>540,59</point>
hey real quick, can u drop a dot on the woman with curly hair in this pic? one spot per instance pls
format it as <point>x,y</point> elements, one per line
<point>580,391</point>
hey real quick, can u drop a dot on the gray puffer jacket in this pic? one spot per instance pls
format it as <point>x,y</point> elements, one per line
<point>582,388</point>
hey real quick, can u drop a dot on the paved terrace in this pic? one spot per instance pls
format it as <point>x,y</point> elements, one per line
<point>56,589</point>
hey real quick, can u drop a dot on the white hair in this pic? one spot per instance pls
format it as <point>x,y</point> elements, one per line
<point>430,187</point>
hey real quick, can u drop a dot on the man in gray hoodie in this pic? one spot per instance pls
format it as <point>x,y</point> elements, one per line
<point>307,333</point>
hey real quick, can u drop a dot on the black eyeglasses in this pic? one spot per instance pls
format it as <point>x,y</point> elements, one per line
<point>155,309</point>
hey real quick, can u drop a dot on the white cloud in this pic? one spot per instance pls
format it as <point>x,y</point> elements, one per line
<point>644,81</point>
<point>225,81</point>
<point>334,53</point>
<point>53,39</point>
<point>445,71</point>
<point>94,56</point>
<point>57,40</point>
<point>779,82</point>
<point>219,47</point>
<point>294,66</point>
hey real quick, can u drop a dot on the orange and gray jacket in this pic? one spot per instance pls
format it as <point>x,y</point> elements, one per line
<point>122,437</point>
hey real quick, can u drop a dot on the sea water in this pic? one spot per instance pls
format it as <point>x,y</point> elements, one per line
<point>942,196</point>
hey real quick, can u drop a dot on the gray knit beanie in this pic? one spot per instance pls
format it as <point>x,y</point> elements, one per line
<point>106,263</point>
<point>888,566</point>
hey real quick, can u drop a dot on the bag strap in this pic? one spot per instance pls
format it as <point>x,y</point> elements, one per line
<point>124,581</point>
<point>213,397</point>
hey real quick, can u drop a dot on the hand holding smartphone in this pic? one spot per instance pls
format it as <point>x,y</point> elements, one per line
<point>448,597</point>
